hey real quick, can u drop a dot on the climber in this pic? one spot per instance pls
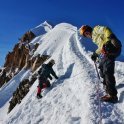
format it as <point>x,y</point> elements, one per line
<point>44,74</point>
<point>109,48</point>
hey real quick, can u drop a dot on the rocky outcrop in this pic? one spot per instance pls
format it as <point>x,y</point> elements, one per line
<point>21,57</point>
<point>20,93</point>
<point>28,36</point>
<point>0,70</point>
<point>4,77</point>
<point>17,59</point>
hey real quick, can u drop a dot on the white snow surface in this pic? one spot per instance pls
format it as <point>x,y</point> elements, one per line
<point>73,98</point>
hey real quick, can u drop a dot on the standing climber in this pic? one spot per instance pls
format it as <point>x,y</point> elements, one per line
<point>109,47</point>
<point>45,73</point>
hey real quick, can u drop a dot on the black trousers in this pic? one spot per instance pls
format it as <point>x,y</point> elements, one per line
<point>43,81</point>
<point>106,67</point>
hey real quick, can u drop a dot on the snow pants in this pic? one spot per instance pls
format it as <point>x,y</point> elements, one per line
<point>106,67</point>
<point>43,83</point>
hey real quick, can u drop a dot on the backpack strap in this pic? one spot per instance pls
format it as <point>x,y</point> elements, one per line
<point>117,44</point>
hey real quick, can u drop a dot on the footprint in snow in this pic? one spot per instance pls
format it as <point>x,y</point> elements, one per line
<point>75,119</point>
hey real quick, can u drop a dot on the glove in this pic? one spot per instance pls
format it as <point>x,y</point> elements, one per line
<point>50,77</point>
<point>94,56</point>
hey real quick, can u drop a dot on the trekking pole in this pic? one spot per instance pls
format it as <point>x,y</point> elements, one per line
<point>98,93</point>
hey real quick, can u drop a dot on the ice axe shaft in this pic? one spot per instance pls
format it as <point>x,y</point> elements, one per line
<point>97,71</point>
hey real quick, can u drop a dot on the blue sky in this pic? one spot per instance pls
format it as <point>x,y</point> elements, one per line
<point>18,16</point>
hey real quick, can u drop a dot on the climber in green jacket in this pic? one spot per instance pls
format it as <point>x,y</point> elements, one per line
<point>109,48</point>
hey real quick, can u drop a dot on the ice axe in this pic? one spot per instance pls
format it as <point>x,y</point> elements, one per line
<point>97,71</point>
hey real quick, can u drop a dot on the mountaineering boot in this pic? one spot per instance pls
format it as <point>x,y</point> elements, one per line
<point>108,98</point>
<point>39,96</point>
<point>104,96</point>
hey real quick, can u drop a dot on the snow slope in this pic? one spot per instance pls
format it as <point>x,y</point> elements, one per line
<point>7,90</point>
<point>73,98</point>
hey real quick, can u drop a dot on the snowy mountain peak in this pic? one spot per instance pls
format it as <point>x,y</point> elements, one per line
<point>66,25</point>
<point>42,28</point>
<point>48,23</point>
